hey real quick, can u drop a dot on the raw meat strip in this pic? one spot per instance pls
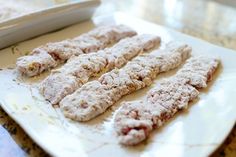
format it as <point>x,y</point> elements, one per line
<point>135,120</point>
<point>95,97</point>
<point>59,52</point>
<point>80,68</point>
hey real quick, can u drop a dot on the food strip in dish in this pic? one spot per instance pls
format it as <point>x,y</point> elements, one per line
<point>135,120</point>
<point>79,69</point>
<point>50,55</point>
<point>94,97</point>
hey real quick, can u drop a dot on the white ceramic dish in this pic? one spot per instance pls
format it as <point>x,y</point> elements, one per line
<point>45,20</point>
<point>196,132</point>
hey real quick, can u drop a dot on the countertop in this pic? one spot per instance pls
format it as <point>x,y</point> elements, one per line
<point>205,19</point>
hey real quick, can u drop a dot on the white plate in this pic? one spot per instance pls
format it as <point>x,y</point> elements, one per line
<point>45,20</point>
<point>196,132</point>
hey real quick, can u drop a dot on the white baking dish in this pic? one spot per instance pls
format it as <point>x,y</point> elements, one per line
<point>45,20</point>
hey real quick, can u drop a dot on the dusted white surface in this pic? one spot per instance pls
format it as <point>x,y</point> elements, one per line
<point>195,132</point>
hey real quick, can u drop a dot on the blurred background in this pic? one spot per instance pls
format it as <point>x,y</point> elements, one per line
<point>211,20</point>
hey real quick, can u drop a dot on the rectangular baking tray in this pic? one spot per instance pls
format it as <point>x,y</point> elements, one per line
<point>45,20</point>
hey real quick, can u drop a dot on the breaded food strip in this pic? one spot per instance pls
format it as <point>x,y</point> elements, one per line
<point>94,97</point>
<point>135,120</point>
<point>79,69</point>
<point>40,61</point>
<point>198,70</point>
<point>110,34</point>
<point>59,52</point>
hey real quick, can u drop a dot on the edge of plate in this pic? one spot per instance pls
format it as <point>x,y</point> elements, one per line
<point>24,127</point>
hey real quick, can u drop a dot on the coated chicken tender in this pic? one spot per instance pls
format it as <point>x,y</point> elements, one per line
<point>85,66</point>
<point>88,96</point>
<point>113,33</point>
<point>54,53</point>
<point>65,84</point>
<point>198,70</point>
<point>89,44</point>
<point>71,76</point>
<point>62,51</point>
<point>173,94</point>
<point>119,54</point>
<point>119,82</point>
<point>135,120</point>
<point>135,115</point>
<point>32,65</point>
<point>92,41</point>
